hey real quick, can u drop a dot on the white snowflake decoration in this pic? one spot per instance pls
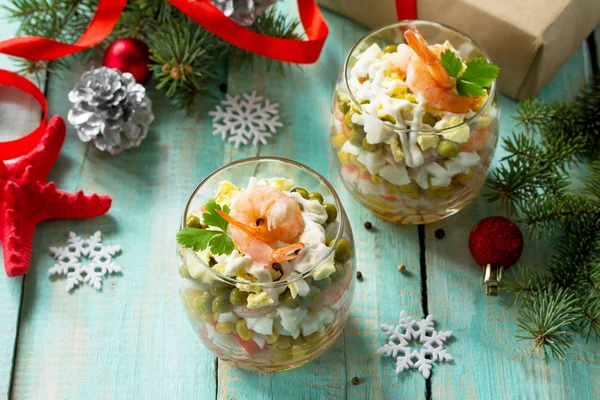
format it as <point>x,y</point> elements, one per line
<point>246,119</point>
<point>69,261</point>
<point>400,336</point>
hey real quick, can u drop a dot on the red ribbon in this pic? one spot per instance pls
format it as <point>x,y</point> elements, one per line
<point>18,147</point>
<point>290,50</point>
<point>406,9</point>
<point>38,48</point>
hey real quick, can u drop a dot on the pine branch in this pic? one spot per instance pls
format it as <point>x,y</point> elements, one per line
<point>591,320</point>
<point>184,57</point>
<point>534,183</point>
<point>550,214</point>
<point>272,23</point>
<point>549,317</point>
<point>523,281</point>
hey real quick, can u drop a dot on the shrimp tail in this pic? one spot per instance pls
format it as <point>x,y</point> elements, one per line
<point>418,44</point>
<point>250,230</point>
<point>283,254</point>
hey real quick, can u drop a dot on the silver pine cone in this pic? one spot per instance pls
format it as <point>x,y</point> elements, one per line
<point>110,108</point>
<point>244,12</point>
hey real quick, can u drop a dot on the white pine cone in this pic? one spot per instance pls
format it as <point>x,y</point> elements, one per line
<point>110,108</point>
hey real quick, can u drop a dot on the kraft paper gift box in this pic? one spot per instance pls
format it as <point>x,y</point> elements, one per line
<point>529,39</point>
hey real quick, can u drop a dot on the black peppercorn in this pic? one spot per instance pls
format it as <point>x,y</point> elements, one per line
<point>368,225</point>
<point>355,380</point>
<point>359,276</point>
<point>439,233</point>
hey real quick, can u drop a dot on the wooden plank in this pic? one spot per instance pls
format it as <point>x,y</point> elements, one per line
<point>132,340</point>
<point>488,360</point>
<point>383,292</point>
<point>12,102</point>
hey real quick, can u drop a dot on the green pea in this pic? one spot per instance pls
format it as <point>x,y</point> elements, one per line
<point>343,106</point>
<point>348,119</point>
<point>390,48</point>
<point>339,274</point>
<point>368,146</point>
<point>221,305</point>
<point>193,221</point>
<point>301,191</point>
<point>323,284</point>
<point>299,341</point>
<point>310,297</point>
<point>331,243</point>
<point>343,251</point>
<point>284,342</point>
<point>388,118</point>
<point>356,136</point>
<point>331,212</point>
<point>316,196</point>
<point>220,291</point>
<point>313,339</point>
<point>204,302</point>
<point>447,148</point>
<point>429,119</point>
<point>238,297</point>
<point>242,330</point>
<point>300,206</point>
<point>287,300</point>
<point>283,355</point>
<point>298,352</point>
<point>207,318</point>
<point>224,327</point>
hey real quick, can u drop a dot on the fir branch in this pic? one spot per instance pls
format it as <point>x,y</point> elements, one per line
<point>63,20</point>
<point>522,282</point>
<point>549,317</point>
<point>591,320</point>
<point>272,23</point>
<point>549,214</point>
<point>184,57</point>
<point>534,182</point>
<point>576,261</point>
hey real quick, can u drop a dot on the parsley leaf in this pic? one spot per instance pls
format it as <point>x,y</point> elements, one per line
<point>469,89</point>
<point>211,217</point>
<point>480,72</point>
<point>451,62</point>
<point>200,239</point>
<point>195,238</point>
<point>478,75</point>
<point>221,244</point>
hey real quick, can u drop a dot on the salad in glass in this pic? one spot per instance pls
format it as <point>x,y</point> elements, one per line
<point>415,121</point>
<point>266,261</point>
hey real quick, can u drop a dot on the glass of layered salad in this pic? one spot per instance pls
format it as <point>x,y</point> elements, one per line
<point>266,263</point>
<point>415,121</point>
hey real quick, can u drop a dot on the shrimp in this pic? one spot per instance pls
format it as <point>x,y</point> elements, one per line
<point>427,76</point>
<point>263,219</point>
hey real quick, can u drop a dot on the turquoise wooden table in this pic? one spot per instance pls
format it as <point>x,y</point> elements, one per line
<point>132,340</point>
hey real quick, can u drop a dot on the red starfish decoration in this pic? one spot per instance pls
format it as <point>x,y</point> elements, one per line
<point>26,199</point>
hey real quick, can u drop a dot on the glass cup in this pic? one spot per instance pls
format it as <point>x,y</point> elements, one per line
<point>292,331</point>
<point>419,196</point>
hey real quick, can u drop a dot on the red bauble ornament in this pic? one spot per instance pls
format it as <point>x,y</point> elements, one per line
<point>495,243</point>
<point>129,55</point>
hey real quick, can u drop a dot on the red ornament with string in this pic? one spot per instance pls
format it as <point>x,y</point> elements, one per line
<point>495,243</point>
<point>129,55</point>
